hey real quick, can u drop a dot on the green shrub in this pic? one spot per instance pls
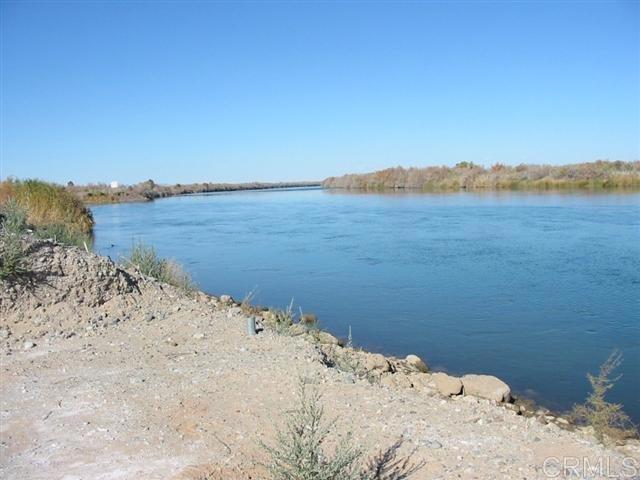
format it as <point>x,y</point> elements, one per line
<point>608,420</point>
<point>146,259</point>
<point>299,453</point>
<point>13,260</point>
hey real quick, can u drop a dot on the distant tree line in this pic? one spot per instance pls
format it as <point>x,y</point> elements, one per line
<point>149,190</point>
<point>468,175</point>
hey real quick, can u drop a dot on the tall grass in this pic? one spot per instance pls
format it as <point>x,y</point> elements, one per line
<point>51,210</point>
<point>13,261</point>
<point>146,259</point>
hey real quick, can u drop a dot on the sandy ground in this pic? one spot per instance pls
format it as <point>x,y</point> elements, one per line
<point>109,375</point>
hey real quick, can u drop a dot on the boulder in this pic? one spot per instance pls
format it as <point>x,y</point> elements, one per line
<point>226,299</point>
<point>420,380</point>
<point>486,386</point>
<point>396,380</point>
<point>376,363</point>
<point>416,363</point>
<point>446,384</point>
<point>326,338</point>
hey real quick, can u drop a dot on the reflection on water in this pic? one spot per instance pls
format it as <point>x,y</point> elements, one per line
<point>536,288</point>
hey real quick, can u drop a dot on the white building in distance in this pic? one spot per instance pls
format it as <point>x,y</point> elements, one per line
<point>114,184</point>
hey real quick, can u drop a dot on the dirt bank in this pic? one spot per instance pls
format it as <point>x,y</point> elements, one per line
<point>107,374</point>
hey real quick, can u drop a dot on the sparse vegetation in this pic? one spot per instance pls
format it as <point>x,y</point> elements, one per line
<point>609,421</point>
<point>467,175</point>
<point>300,452</point>
<point>13,261</point>
<point>280,320</point>
<point>347,360</point>
<point>246,304</point>
<point>146,259</point>
<point>51,210</point>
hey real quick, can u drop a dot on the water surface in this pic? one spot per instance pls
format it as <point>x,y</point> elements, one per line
<point>535,288</point>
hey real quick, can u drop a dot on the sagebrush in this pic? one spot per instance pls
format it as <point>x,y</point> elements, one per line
<point>300,452</point>
<point>609,421</point>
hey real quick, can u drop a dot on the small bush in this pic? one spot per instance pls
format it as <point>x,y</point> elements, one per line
<point>608,420</point>
<point>145,258</point>
<point>280,320</point>
<point>174,274</point>
<point>299,453</point>
<point>13,260</point>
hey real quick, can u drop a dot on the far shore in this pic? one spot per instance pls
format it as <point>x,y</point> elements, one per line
<point>147,191</point>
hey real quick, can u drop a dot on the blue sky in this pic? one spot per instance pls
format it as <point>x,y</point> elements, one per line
<point>225,91</point>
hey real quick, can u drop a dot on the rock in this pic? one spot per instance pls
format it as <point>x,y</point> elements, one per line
<point>420,380</point>
<point>4,333</point>
<point>28,345</point>
<point>433,444</point>
<point>396,380</point>
<point>327,339</point>
<point>198,336</point>
<point>486,386</point>
<point>297,329</point>
<point>446,384</point>
<point>513,407</point>
<point>416,363</point>
<point>588,430</point>
<point>631,446</point>
<point>376,362</point>
<point>226,299</point>
<point>150,317</point>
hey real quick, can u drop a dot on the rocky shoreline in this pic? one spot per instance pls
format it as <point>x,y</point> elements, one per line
<point>107,373</point>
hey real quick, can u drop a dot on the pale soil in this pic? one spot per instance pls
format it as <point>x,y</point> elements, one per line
<point>188,392</point>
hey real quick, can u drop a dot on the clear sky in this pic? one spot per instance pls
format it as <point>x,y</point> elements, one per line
<point>228,91</point>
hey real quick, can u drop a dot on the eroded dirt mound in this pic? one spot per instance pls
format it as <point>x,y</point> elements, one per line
<point>68,291</point>
<point>57,273</point>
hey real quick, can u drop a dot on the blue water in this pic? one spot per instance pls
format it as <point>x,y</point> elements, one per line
<point>535,288</point>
